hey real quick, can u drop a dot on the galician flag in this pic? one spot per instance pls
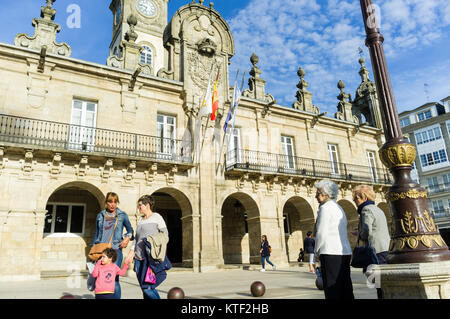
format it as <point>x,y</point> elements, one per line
<point>233,107</point>
<point>206,107</point>
<point>215,100</point>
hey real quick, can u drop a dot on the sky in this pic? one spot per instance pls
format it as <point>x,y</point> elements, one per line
<point>321,36</point>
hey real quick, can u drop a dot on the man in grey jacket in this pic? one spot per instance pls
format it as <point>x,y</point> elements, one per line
<point>372,227</point>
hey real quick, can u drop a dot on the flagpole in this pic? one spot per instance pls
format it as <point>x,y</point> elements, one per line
<point>234,112</point>
<point>225,135</point>
<point>209,116</point>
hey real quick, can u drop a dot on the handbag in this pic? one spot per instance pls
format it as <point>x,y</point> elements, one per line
<point>150,276</point>
<point>97,249</point>
<point>363,256</point>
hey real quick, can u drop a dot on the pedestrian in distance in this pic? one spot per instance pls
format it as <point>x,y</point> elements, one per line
<point>372,226</point>
<point>265,253</point>
<point>109,226</point>
<point>105,272</point>
<point>332,246</point>
<point>309,244</point>
<point>301,255</point>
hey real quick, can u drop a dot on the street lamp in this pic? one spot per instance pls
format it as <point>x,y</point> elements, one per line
<point>415,237</point>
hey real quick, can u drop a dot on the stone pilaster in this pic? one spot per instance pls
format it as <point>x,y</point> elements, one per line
<point>20,244</point>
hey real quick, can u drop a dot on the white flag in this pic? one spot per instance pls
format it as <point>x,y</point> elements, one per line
<point>206,107</point>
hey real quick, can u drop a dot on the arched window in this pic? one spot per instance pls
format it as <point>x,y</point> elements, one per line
<point>146,55</point>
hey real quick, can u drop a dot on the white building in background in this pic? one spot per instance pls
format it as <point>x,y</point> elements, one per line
<point>428,127</point>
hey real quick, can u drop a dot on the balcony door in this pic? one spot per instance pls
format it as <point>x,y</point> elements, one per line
<point>287,149</point>
<point>334,159</point>
<point>82,126</point>
<point>166,133</point>
<point>233,147</point>
<point>372,165</point>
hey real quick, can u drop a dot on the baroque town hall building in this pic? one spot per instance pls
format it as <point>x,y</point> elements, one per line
<point>73,130</point>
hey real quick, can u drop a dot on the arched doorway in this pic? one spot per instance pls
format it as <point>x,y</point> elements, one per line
<point>352,220</point>
<point>241,230</point>
<point>173,206</point>
<point>69,226</point>
<point>298,219</point>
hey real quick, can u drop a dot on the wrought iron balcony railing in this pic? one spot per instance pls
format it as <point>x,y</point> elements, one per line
<point>63,136</point>
<point>441,213</point>
<point>271,163</point>
<point>438,188</point>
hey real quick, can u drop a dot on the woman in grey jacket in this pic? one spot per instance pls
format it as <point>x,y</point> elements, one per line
<point>372,226</point>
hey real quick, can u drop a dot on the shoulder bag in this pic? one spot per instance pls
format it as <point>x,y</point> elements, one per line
<point>97,250</point>
<point>363,256</point>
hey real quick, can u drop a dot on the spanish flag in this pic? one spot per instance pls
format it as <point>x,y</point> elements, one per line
<point>215,100</point>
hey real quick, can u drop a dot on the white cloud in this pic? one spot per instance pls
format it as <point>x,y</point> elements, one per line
<point>323,37</point>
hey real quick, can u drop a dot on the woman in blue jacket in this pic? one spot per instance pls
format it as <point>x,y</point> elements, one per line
<point>265,253</point>
<point>104,227</point>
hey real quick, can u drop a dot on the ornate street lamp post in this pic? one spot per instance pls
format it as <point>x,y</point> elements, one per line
<point>415,237</point>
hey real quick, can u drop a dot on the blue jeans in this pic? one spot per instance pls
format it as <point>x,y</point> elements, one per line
<point>264,259</point>
<point>148,293</point>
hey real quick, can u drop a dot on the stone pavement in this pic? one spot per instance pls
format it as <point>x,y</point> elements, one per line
<point>287,283</point>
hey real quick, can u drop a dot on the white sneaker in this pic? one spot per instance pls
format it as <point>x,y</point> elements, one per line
<point>274,267</point>
<point>263,269</point>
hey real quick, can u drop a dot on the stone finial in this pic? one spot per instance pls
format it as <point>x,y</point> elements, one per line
<point>131,35</point>
<point>47,12</point>
<point>44,33</point>
<point>256,84</point>
<point>304,97</point>
<point>345,106</point>
<point>201,1</point>
<point>363,72</point>
<point>211,5</point>
<point>342,95</point>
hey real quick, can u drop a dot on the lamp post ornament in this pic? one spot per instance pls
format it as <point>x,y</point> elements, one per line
<point>415,237</point>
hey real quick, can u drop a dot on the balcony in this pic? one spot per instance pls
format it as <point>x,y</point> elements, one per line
<point>277,164</point>
<point>438,188</point>
<point>55,136</point>
<point>441,213</point>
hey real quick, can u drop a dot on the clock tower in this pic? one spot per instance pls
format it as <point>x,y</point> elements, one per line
<point>151,18</point>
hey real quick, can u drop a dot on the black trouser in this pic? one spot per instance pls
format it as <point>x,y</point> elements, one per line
<point>337,283</point>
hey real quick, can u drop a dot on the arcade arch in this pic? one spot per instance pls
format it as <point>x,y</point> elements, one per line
<point>69,225</point>
<point>241,230</point>
<point>298,218</point>
<point>176,209</point>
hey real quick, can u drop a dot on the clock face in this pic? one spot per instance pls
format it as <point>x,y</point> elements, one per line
<point>146,7</point>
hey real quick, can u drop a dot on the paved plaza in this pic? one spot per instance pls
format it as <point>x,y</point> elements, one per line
<point>287,283</point>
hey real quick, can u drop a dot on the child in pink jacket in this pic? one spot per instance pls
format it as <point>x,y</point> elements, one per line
<point>105,271</point>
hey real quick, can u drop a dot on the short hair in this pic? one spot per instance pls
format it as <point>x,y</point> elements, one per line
<point>111,253</point>
<point>309,233</point>
<point>327,187</point>
<point>147,199</point>
<point>364,191</point>
<point>111,196</point>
